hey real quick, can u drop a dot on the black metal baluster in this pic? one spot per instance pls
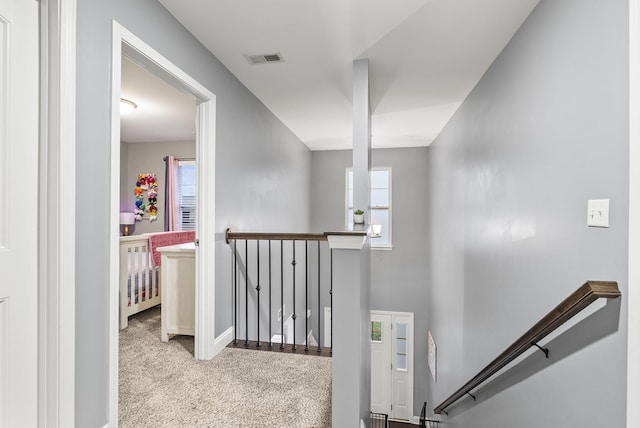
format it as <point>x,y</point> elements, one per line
<point>331,306</point>
<point>258,291</point>
<point>235,293</point>
<point>306,296</point>
<point>246,292</point>
<point>319,325</point>
<point>281,296</point>
<point>294,316</point>
<point>270,315</point>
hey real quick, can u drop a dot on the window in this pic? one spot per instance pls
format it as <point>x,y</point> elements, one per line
<point>380,209</point>
<point>376,331</point>
<point>401,346</point>
<point>187,194</point>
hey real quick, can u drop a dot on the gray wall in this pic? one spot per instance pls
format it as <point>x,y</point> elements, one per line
<point>124,179</point>
<point>399,276</point>
<point>544,131</point>
<point>262,173</point>
<point>147,158</point>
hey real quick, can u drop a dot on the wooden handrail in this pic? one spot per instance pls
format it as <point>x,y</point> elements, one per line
<point>229,235</point>
<point>577,301</point>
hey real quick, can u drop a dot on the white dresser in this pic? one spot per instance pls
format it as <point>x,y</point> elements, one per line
<point>178,269</point>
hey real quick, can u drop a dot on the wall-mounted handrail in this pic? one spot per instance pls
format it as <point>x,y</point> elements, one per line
<point>577,301</point>
<point>265,236</point>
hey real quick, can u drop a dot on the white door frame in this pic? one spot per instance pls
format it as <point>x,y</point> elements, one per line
<point>633,298</point>
<point>410,354</point>
<point>206,347</point>
<point>56,222</point>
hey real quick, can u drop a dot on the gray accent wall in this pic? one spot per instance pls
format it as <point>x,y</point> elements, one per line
<point>148,158</point>
<point>544,130</point>
<point>399,277</point>
<point>262,173</point>
<point>124,178</point>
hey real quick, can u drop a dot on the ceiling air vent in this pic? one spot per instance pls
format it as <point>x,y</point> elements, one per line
<point>266,58</point>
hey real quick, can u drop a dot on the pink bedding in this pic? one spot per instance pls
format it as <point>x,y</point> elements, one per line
<point>166,239</point>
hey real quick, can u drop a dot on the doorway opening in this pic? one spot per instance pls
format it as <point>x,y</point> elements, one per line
<point>206,344</point>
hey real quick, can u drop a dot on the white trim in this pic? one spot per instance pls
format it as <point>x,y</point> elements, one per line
<point>633,299</point>
<point>382,247</point>
<point>403,314</point>
<point>123,41</point>
<point>205,230</point>
<point>223,340</point>
<point>56,289</point>
<point>346,242</point>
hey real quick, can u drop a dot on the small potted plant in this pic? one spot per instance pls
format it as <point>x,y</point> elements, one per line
<point>358,216</point>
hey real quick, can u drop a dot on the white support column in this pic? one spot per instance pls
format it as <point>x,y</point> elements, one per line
<point>361,137</point>
<point>351,402</point>
<point>350,360</point>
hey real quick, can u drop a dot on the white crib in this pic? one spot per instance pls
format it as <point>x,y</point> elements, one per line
<point>139,279</point>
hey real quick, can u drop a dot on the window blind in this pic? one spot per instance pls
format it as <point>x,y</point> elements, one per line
<point>187,194</point>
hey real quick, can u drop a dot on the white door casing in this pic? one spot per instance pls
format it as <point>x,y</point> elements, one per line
<point>19,140</point>
<point>206,344</point>
<point>56,264</point>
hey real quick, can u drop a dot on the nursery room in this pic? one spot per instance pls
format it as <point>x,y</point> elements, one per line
<point>157,185</point>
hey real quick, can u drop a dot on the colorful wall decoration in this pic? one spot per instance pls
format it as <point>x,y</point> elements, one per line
<point>146,183</point>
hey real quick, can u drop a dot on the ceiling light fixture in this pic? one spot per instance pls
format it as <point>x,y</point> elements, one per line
<point>127,106</point>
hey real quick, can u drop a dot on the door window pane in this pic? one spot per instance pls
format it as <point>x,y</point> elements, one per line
<point>401,362</point>
<point>401,331</point>
<point>401,346</point>
<point>376,331</point>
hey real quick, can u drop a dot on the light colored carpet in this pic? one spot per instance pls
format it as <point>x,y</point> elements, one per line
<point>162,385</point>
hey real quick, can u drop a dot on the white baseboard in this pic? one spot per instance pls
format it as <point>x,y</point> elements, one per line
<point>222,341</point>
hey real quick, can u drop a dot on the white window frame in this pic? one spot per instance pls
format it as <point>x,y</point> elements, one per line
<point>374,245</point>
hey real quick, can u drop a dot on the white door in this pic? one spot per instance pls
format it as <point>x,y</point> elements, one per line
<point>392,364</point>
<point>381,346</point>
<point>18,212</point>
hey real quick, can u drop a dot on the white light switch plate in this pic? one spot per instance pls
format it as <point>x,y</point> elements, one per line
<point>598,213</point>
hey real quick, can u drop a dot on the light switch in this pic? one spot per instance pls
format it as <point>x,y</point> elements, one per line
<point>598,213</point>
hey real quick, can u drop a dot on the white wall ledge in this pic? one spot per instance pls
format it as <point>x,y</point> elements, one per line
<point>348,237</point>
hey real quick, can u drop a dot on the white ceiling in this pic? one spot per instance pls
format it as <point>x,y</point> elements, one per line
<point>425,57</point>
<point>164,113</point>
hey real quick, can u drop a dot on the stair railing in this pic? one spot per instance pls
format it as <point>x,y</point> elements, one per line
<point>576,302</point>
<point>253,255</point>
